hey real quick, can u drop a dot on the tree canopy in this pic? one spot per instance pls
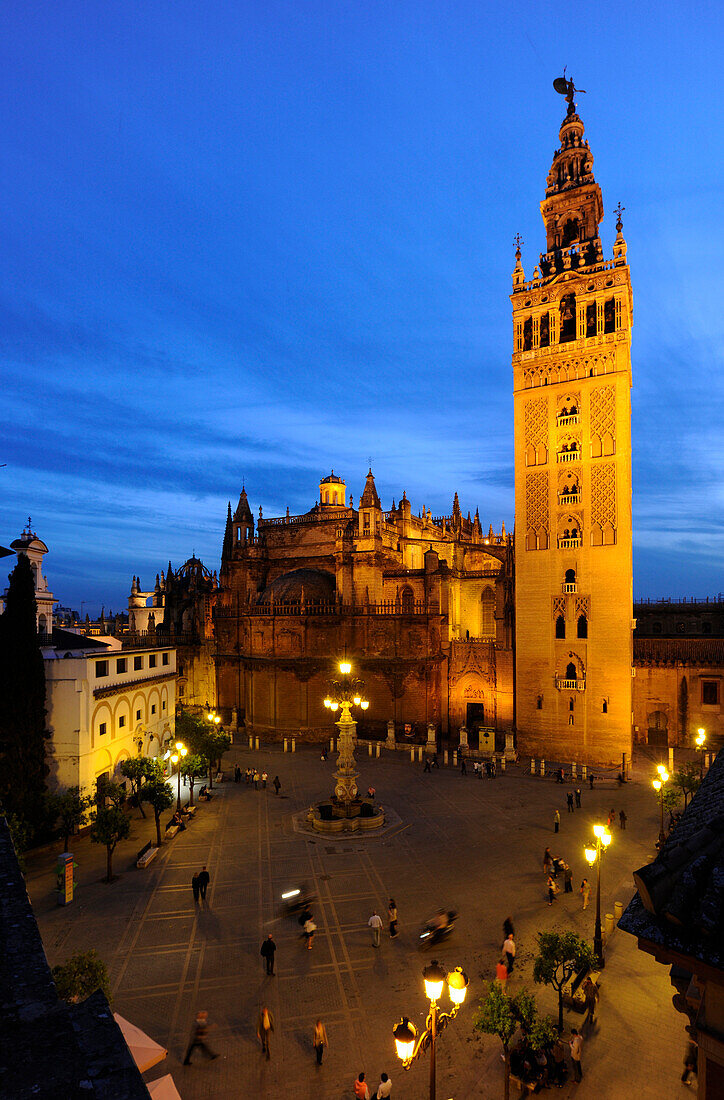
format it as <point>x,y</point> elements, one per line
<point>81,975</point>
<point>560,955</point>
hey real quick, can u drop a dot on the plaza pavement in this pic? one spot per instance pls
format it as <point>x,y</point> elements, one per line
<point>473,844</point>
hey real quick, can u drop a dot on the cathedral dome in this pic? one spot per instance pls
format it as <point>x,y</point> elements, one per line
<point>315,585</point>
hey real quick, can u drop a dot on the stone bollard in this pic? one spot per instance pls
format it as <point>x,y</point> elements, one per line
<point>573,770</point>
<point>583,772</point>
<point>542,767</point>
<point>294,744</point>
<point>444,757</point>
<point>285,744</point>
<point>256,743</point>
<point>412,756</point>
<point>532,765</point>
<point>419,754</point>
<point>609,924</point>
<point>369,749</point>
<point>251,742</point>
<point>331,744</point>
<point>377,752</point>
<point>502,763</point>
<point>455,758</point>
<point>618,910</point>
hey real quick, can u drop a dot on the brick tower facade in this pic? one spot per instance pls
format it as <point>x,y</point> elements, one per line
<point>573,558</point>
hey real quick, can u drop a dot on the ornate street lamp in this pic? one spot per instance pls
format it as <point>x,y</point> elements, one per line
<point>345,693</point>
<point>213,717</point>
<point>176,758</point>
<point>593,855</point>
<point>700,741</point>
<point>658,785</point>
<point>409,1045</point>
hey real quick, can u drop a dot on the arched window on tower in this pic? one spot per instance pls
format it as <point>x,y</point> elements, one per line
<point>571,673</point>
<point>545,331</point>
<point>609,315</point>
<point>571,232</point>
<point>561,628</point>
<point>591,319</point>
<point>407,601</point>
<point>487,613</point>
<point>528,334</point>
<point>582,626</point>
<point>568,318</point>
<point>570,576</point>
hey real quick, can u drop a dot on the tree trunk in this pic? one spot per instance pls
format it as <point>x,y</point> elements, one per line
<point>211,776</point>
<point>140,804</point>
<point>191,791</point>
<point>157,815</point>
<point>507,1073</point>
<point>560,1011</point>
<point>109,863</point>
<point>66,840</point>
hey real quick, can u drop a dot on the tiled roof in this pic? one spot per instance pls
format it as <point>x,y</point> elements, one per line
<point>680,899</point>
<point>688,651</point>
<point>68,640</point>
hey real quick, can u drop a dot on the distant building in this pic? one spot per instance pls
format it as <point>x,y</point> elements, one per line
<point>34,549</point>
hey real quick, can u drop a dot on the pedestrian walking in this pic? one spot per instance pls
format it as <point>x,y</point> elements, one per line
<point>203,882</point>
<point>463,767</point>
<point>590,996</point>
<point>195,887</point>
<point>309,929</point>
<point>375,923</point>
<point>611,818</point>
<point>559,1062</point>
<point>622,818</point>
<point>267,951</point>
<point>198,1039</point>
<point>392,918</point>
<point>569,800</point>
<point>556,821</point>
<point>384,1089</point>
<point>501,972</point>
<point>552,889</point>
<point>509,953</point>
<point>492,768</point>
<point>576,1043</point>
<point>435,763</point>
<point>691,1061</point>
<point>578,798</point>
<point>585,892</point>
<point>547,861</point>
<point>264,778</point>
<point>590,780</point>
<point>276,784</point>
<point>319,1040</point>
<point>508,929</point>
<point>264,1028</point>
<point>567,879</point>
<point>361,1091</point>
<point>427,765</point>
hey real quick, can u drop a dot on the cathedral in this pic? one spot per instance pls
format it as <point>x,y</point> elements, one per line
<point>456,628</point>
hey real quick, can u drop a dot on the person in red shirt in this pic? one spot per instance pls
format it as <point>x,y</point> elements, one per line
<point>361,1090</point>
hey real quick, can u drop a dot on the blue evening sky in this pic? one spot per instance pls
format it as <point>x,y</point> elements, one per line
<point>254,241</point>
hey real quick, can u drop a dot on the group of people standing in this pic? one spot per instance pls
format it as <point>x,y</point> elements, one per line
<point>256,779</point>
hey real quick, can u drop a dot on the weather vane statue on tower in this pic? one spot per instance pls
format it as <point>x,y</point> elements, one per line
<point>566,87</point>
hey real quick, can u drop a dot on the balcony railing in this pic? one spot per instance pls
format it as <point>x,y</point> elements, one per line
<point>569,456</point>
<point>567,421</point>
<point>568,544</point>
<point>564,499</point>
<point>570,685</point>
<point>386,607</point>
<point>570,587</point>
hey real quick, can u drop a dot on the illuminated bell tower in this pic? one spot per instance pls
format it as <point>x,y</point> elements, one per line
<point>573,562</point>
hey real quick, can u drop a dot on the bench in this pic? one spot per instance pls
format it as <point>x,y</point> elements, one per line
<point>171,830</point>
<point>148,856</point>
<point>189,811</point>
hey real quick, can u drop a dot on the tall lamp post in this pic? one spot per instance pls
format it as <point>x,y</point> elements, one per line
<point>176,758</point>
<point>658,785</point>
<point>409,1045</point>
<point>593,855</point>
<point>700,741</point>
<point>344,694</point>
